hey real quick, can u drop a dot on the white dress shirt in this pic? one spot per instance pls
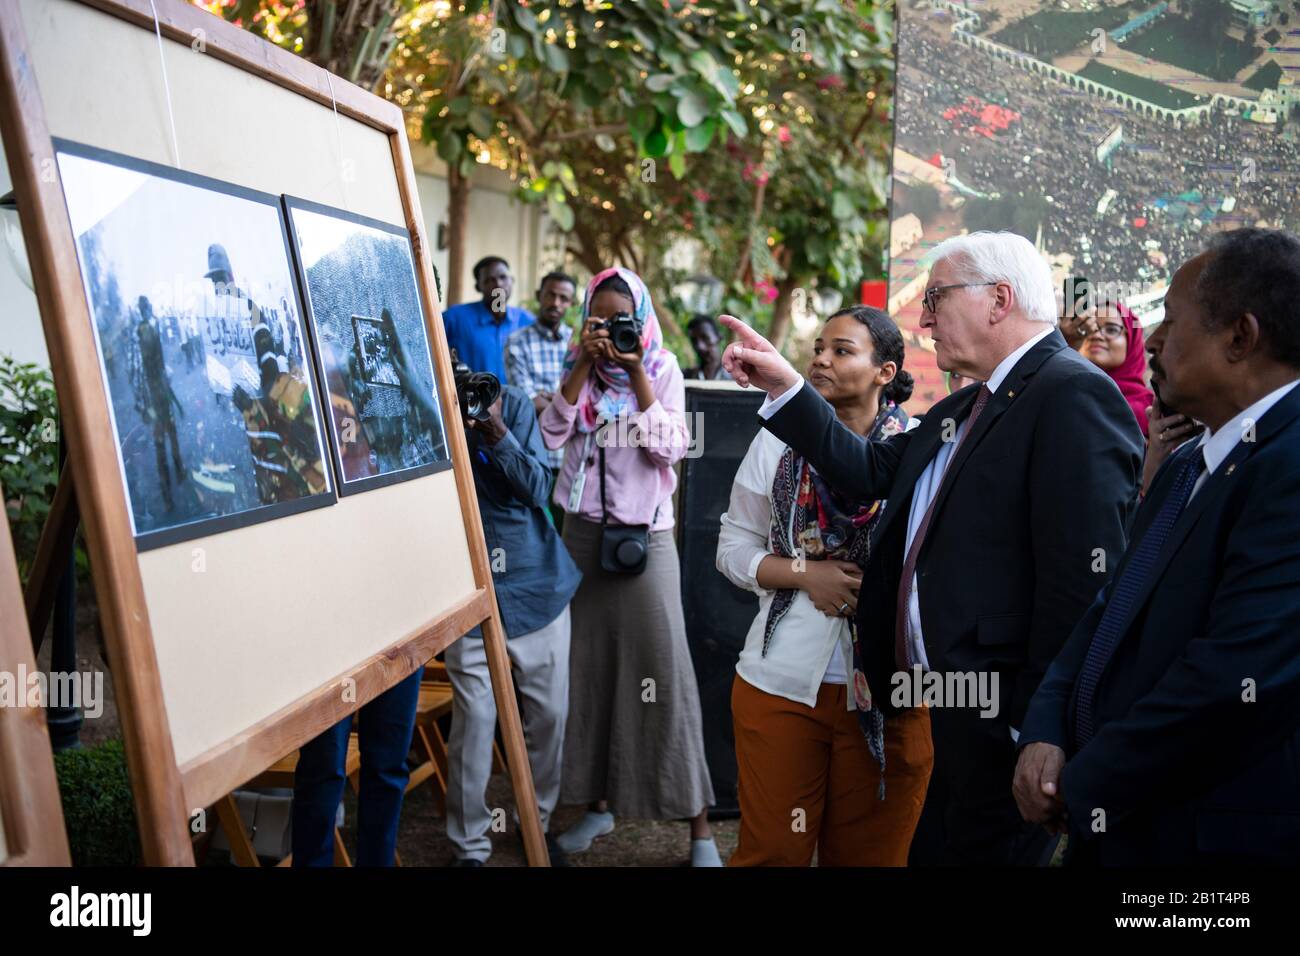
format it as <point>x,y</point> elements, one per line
<point>808,648</point>
<point>1219,445</point>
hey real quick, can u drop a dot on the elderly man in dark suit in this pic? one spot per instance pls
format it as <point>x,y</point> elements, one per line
<point>1168,729</point>
<point>1007,507</point>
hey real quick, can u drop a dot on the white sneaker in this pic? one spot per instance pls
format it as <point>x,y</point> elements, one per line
<point>705,853</point>
<point>579,836</point>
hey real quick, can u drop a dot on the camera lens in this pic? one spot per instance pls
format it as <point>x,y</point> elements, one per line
<point>625,339</point>
<point>629,552</point>
<point>476,392</point>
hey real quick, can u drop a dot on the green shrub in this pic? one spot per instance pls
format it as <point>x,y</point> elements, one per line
<point>98,808</point>
<point>29,452</point>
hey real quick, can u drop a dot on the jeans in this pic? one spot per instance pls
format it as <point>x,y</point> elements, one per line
<point>385,728</point>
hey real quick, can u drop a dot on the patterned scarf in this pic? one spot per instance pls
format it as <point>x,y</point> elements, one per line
<point>812,520</point>
<point>608,394</point>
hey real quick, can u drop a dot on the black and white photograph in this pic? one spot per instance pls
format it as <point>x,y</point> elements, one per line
<point>203,351</point>
<point>368,327</point>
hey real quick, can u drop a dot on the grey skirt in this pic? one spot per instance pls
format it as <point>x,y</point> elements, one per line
<point>634,735</point>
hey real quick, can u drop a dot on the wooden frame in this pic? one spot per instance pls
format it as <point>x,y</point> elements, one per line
<point>166,793</point>
<point>344,485</point>
<point>31,814</point>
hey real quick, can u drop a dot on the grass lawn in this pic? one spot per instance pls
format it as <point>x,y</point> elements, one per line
<point>1149,90</point>
<point>1186,44</point>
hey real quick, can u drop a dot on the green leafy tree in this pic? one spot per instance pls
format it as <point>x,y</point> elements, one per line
<point>354,39</point>
<point>771,120</point>
<point>759,127</point>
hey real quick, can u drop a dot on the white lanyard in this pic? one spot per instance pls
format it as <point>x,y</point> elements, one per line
<point>580,479</point>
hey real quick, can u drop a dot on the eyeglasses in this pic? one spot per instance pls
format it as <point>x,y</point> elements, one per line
<point>930,301</point>
<point>1110,330</point>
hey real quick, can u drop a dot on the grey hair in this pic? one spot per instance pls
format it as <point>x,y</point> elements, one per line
<point>1004,257</point>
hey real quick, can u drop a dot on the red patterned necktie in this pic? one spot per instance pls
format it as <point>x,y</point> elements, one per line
<point>902,621</point>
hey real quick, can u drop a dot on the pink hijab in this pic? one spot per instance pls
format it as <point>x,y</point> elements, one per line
<point>1130,375</point>
<point>608,392</point>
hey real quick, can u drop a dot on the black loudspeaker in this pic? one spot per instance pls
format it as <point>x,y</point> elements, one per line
<point>723,422</point>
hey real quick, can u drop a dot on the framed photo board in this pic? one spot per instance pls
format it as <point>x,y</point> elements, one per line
<point>368,327</point>
<point>201,345</point>
<point>238,639</point>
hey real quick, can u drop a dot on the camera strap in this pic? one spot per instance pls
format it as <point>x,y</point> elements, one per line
<point>604,513</point>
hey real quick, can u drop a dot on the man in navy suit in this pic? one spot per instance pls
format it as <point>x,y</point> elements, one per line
<point>1168,728</point>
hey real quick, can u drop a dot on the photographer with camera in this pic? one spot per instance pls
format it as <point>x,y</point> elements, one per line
<point>635,743</point>
<point>534,580</point>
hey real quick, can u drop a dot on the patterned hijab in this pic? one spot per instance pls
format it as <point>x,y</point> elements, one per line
<point>608,393</point>
<point>812,519</point>
<point>1131,374</point>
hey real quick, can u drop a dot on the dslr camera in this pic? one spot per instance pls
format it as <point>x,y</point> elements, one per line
<point>476,391</point>
<point>624,331</point>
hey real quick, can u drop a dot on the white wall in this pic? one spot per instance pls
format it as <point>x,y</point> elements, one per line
<point>21,334</point>
<point>499,225</point>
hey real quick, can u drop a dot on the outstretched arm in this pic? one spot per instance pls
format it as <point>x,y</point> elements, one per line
<point>804,420</point>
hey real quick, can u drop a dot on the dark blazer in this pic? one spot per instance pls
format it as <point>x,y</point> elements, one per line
<point>1183,766</point>
<point>1039,492</point>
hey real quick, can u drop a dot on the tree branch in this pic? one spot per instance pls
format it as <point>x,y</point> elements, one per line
<point>591,131</point>
<point>525,124</point>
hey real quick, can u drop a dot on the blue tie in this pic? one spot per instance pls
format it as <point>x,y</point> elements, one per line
<point>1127,587</point>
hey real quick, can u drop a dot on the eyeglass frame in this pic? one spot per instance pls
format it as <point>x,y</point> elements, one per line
<point>933,307</point>
<point>1090,327</point>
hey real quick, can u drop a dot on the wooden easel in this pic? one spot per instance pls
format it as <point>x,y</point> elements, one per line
<point>53,552</point>
<point>91,487</point>
<point>30,811</point>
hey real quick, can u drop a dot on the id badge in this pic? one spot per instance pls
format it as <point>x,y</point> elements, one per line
<point>580,479</point>
<point>575,492</point>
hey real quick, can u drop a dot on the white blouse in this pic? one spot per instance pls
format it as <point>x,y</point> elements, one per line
<point>808,648</point>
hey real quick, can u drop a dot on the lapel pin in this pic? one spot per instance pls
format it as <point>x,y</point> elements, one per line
<point>1011,393</point>
<point>1231,469</point>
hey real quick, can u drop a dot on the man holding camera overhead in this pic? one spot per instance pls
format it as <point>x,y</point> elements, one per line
<point>534,580</point>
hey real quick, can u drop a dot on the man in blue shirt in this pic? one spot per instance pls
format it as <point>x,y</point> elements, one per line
<point>534,579</point>
<point>478,330</point>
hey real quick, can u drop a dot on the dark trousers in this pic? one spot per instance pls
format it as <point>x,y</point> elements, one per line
<point>970,817</point>
<point>385,726</point>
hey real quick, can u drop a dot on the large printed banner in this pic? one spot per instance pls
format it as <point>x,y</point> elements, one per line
<point>1118,137</point>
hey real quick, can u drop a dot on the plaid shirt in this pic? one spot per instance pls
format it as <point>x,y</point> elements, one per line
<point>535,362</point>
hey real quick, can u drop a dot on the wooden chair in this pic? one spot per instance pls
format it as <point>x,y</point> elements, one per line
<point>428,742</point>
<point>279,774</point>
